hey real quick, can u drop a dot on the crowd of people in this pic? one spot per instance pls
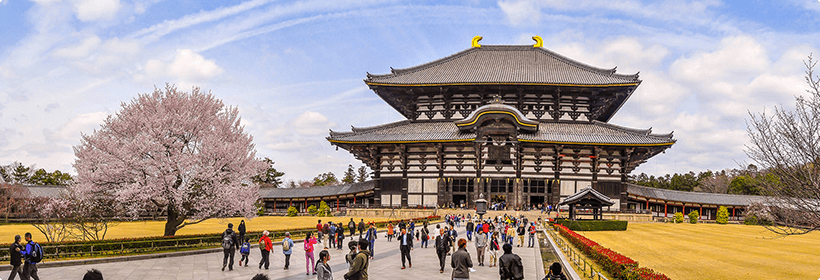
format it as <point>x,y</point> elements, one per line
<point>494,236</point>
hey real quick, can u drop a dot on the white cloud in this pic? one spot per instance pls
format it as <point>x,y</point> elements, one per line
<point>70,130</point>
<point>89,44</point>
<point>312,123</point>
<point>187,66</point>
<point>92,10</point>
<point>521,11</point>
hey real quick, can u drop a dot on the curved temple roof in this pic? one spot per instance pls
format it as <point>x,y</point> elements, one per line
<point>588,192</point>
<point>496,107</point>
<point>693,197</point>
<point>504,64</point>
<point>316,192</point>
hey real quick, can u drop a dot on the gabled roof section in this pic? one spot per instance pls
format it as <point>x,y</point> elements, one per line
<point>504,64</point>
<point>496,107</point>
<point>317,192</point>
<point>693,197</point>
<point>588,193</point>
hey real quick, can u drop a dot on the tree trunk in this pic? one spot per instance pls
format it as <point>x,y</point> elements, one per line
<point>173,222</point>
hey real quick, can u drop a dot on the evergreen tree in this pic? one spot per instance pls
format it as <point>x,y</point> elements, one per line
<point>363,174</point>
<point>350,175</point>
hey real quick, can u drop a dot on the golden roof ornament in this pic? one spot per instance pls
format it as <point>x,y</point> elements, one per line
<point>539,43</point>
<point>475,41</point>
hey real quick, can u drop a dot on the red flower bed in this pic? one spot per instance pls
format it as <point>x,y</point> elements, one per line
<point>619,266</point>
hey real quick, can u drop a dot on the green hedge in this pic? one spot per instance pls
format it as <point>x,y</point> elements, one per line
<point>592,225</point>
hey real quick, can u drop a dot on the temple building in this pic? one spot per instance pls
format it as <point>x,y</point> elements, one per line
<point>518,124</point>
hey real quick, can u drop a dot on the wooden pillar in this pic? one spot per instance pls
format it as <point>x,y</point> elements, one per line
<point>274,206</point>
<point>337,203</point>
<point>647,203</point>
<point>700,212</point>
<point>665,207</point>
<point>733,213</point>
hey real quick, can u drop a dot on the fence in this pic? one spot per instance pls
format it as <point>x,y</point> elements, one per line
<point>585,267</point>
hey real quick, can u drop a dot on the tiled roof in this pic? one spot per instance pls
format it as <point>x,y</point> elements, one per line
<point>504,65</point>
<point>694,197</point>
<point>588,191</point>
<point>559,132</point>
<point>316,191</point>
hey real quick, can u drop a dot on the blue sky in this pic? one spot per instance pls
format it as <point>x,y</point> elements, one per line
<point>295,69</point>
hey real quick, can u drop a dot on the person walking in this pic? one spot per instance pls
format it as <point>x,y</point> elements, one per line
<point>230,244</point>
<point>532,232</point>
<point>265,246</point>
<point>442,248</point>
<point>405,246</point>
<point>352,245</point>
<point>308,245</point>
<point>323,271</point>
<point>241,230</point>
<point>461,262</point>
<point>521,232</point>
<point>480,245</point>
<point>352,227</point>
<point>358,268</point>
<point>287,248</point>
<point>324,237</point>
<point>371,237</point>
<point>470,228</point>
<point>33,254</point>
<point>390,232</point>
<point>425,236</point>
<point>510,234</point>
<point>555,273</point>
<point>340,237</point>
<point>331,236</point>
<point>361,228</point>
<point>245,251</point>
<point>16,258</point>
<point>509,265</point>
<point>494,248</point>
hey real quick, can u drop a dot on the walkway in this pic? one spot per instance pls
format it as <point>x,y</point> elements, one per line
<point>386,265</point>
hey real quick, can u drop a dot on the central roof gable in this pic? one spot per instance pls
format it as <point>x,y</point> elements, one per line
<point>495,110</point>
<point>504,64</point>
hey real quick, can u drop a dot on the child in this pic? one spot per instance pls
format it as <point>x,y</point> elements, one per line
<point>245,250</point>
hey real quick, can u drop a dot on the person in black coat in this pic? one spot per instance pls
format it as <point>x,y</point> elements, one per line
<point>16,258</point>
<point>442,247</point>
<point>509,265</point>
<point>241,230</point>
<point>405,246</point>
<point>231,250</point>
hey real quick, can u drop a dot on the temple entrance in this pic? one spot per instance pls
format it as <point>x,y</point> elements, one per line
<point>536,199</point>
<point>460,200</point>
<point>498,202</point>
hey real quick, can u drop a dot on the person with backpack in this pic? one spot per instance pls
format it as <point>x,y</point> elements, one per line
<point>371,237</point>
<point>360,264</point>
<point>16,258</point>
<point>33,255</point>
<point>287,248</point>
<point>265,247</point>
<point>245,251</point>
<point>509,265</point>
<point>361,228</point>
<point>425,236</point>
<point>532,232</point>
<point>229,242</point>
<point>308,246</point>
<point>352,227</point>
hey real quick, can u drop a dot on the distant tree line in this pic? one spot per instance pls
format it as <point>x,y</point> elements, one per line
<point>18,174</point>
<point>746,181</point>
<point>351,175</point>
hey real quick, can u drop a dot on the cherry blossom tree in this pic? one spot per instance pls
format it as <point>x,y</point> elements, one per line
<point>183,152</point>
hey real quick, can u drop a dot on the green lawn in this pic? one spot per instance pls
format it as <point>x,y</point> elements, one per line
<point>711,251</point>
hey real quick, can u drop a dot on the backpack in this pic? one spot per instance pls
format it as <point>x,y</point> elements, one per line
<point>245,249</point>
<point>36,254</point>
<point>285,245</point>
<point>515,269</point>
<point>227,241</point>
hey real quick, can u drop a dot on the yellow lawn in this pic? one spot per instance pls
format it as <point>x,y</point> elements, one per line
<point>157,228</point>
<point>712,251</point>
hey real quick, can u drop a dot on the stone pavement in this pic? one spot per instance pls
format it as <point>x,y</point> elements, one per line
<point>386,265</point>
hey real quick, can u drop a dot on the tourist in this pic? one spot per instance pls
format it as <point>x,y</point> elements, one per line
<point>510,234</point>
<point>324,237</point>
<point>480,245</point>
<point>494,248</point>
<point>509,265</point>
<point>442,247</point>
<point>93,274</point>
<point>265,246</point>
<point>308,245</point>
<point>390,232</point>
<point>358,268</point>
<point>260,276</point>
<point>352,227</point>
<point>412,227</point>
<point>453,235</point>
<point>470,228</point>
<point>33,255</point>
<point>401,225</point>
<point>16,258</point>
<point>425,236</point>
<point>361,228</point>
<point>320,230</point>
<point>532,235</point>
<point>331,235</point>
<point>245,250</point>
<point>461,262</point>
<point>241,230</point>
<point>555,273</point>
<point>323,271</point>
<point>340,237</point>
<point>521,232</point>
<point>287,248</point>
<point>371,237</point>
<point>229,243</point>
<point>405,246</point>
<point>352,254</point>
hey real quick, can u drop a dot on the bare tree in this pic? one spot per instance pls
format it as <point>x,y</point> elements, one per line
<point>786,144</point>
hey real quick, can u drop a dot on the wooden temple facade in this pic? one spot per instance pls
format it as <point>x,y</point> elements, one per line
<point>518,124</point>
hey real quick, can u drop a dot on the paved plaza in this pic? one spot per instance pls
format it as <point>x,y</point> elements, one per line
<point>386,265</point>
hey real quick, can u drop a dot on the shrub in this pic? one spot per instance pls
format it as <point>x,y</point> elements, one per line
<point>722,215</point>
<point>324,209</point>
<point>644,273</point>
<point>678,217</point>
<point>292,211</point>
<point>693,217</point>
<point>593,225</point>
<point>312,209</point>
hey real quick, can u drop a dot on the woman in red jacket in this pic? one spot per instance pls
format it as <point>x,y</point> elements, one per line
<point>266,246</point>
